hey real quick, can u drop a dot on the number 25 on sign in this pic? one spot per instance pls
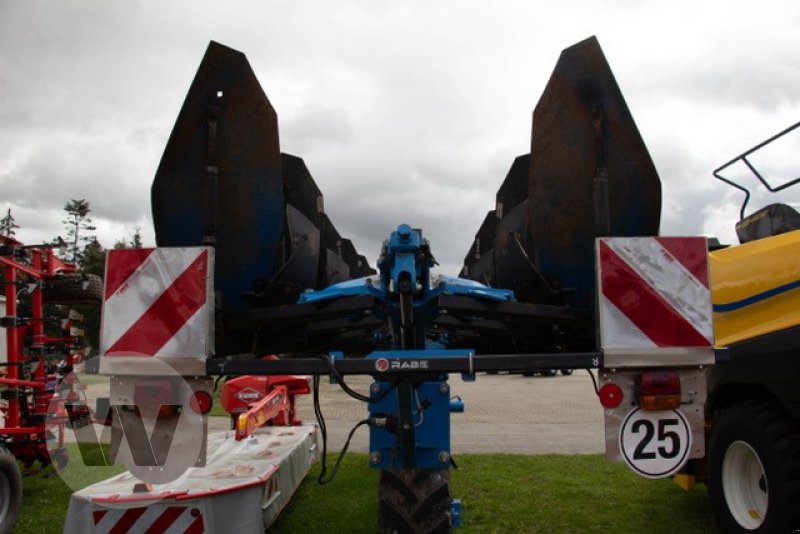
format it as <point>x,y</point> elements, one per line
<point>655,444</point>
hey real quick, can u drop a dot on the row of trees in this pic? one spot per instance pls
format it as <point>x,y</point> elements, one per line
<point>81,245</point>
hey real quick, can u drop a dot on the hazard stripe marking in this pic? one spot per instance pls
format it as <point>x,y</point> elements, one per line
<point>662,272</point>
<point>644,306</point>
<point>156,519</point>
<point>127,520</point>
<point>190,339</point>
<point>134,297</point>
<point>197,527</point>
<point>97,515</point>
<point>167,314</point>
<point>691,253</point>
<point>122,265</point>
<point>160,525</point>
<point>618,331</point>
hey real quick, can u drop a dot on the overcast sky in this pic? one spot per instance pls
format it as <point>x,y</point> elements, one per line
<point>403,111</point>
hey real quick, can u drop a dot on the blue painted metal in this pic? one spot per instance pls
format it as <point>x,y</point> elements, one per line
<point>404,265</point>
<point>455,513</point>
<point>404,261</point>
<point>431,419</point>
<point>349,288</point>
<point>451,285</point>
<point>410,417</point>
<point>440,284</point>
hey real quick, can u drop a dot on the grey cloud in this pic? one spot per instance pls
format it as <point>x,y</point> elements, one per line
<point>403,112</point>
<point>315,125</point>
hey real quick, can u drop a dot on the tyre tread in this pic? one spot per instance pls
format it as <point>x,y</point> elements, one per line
<point>414,501</point>
<point>68,289</point>
<point>783,433</point>
<point>9,467</point>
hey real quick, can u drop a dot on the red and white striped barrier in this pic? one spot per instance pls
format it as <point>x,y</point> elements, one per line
<point>156,518</point>
<point>158,303</point>
<point>654,299</point>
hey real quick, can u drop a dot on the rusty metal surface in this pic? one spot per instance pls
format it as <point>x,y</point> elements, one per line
<point>300,188</point>
<point>302,266</point>
<point>479,261</point>
<point>222,180</point>
<point>514,189</point>
<point>242,144</point>
<point>582,126</point>
<point>356,263</point>
<point>303,193</point>
<point>588,174</point>
<point>514,265</point>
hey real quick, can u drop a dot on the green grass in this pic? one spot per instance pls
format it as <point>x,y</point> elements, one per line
<point>509,493</point>
<point>216,407</point>
<point>500,493</point>
<point>45,496</point>
<point>89,380</point>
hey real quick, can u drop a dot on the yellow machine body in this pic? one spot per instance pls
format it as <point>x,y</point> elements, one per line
<point>755,288</point>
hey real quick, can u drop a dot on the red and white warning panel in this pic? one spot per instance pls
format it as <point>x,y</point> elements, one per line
<point>158,303</point>
<point>161,518</point>
<point>654,301</point>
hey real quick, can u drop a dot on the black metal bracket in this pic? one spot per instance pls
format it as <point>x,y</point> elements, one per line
<point>249,365</point>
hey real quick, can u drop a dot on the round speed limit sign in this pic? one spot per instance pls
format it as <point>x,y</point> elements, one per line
<point>655,444</point>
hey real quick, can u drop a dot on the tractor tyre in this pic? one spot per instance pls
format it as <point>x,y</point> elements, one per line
<point>549,372</point>
<point>414,501</point>
<point>10,490</point>
<point>566,372</point>
<point>754,458</point>
<point>73,289</point>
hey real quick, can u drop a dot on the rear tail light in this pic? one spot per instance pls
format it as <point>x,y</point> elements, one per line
<point>610,395</point>
<point>201,402</point>
<point>660,390</point>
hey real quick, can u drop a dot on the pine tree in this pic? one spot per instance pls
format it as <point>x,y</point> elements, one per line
<point>79,226</point>
<point>136,240</point>
<point>8,225</point>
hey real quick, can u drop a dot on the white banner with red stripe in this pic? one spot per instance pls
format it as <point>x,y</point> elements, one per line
<point>158,303</point>
<point>654,300</point>
<point>158,518</point>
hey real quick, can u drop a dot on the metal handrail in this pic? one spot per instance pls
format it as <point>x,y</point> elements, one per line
<point>743,157</point>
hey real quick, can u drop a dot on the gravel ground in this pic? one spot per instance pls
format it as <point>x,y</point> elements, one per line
<point>503,413</point>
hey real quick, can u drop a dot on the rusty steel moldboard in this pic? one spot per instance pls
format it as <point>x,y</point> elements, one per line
<point>223,181</point>
<point>589,173</point>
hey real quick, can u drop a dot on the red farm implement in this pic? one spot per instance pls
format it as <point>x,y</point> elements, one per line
<point>38,393</point>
